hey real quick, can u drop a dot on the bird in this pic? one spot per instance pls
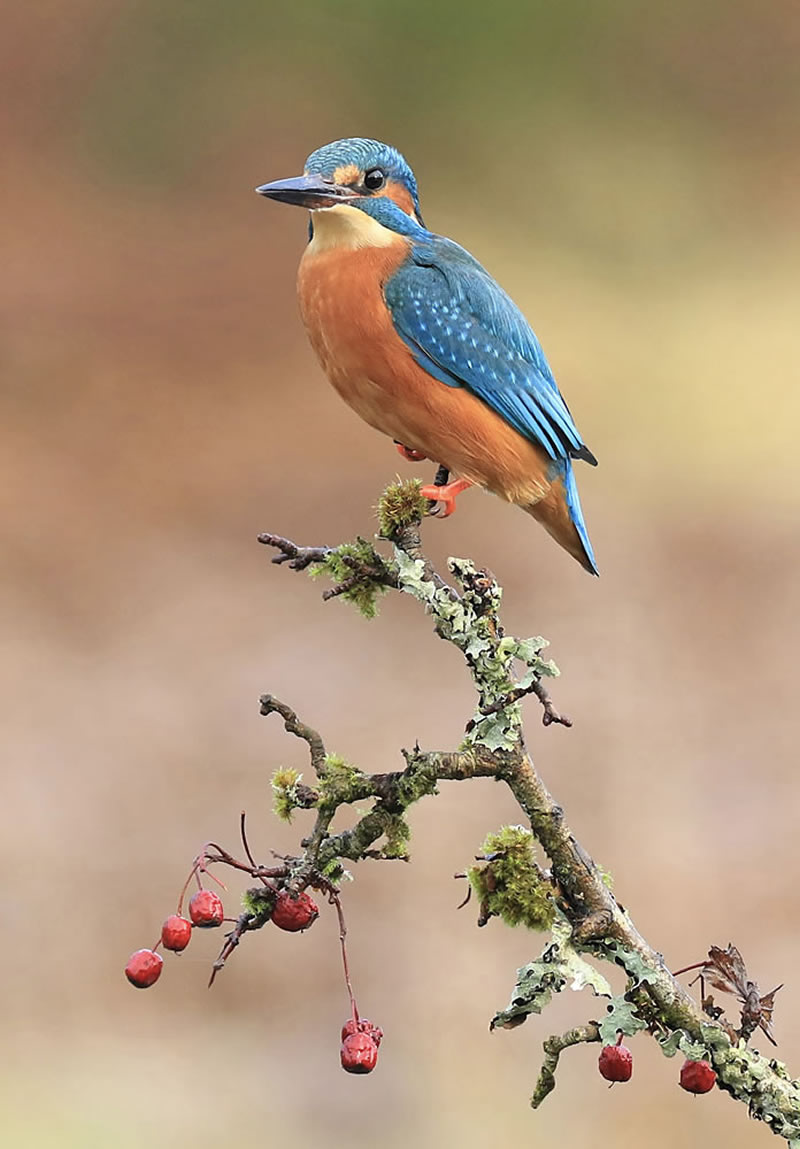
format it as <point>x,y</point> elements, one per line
<point>420,340</point>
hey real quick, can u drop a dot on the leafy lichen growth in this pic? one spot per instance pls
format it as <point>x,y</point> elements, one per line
<point>399,506</point>
<point>284,788</point>
<point>535,985</point>
<point>559,964</point>
<point>621,1017</point>
<point>511,885</point>
<point>359,564</point>
<point>528,650</point>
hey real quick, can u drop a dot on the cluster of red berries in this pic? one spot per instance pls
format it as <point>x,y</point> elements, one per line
<point>205,912</point>
<point>616,1064</point>
<point>290,912</point>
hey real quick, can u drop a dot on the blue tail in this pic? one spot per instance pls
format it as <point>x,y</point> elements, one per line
<point>576,514</point>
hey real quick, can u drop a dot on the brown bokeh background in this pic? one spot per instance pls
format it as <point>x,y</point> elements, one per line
<point>630,174</point>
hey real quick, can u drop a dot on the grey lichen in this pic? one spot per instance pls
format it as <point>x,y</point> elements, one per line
<point>527,650</point>
<point>620,1017</point>
<point>773,1097</point>
<point>559,964</point>
<point>470,623</point>
<point>535,985</point>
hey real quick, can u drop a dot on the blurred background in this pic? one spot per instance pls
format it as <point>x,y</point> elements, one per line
<point>629,172</point>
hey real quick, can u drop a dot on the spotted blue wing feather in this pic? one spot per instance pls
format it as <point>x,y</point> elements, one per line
<point>466,332</point>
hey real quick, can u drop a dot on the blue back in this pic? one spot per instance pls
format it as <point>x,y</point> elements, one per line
<point>465,331</point>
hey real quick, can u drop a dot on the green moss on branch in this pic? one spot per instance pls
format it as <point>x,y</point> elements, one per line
<point>401,506</point>
<point>509,884</point>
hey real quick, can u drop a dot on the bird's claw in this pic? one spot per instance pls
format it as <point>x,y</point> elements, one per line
<point>444,495</point>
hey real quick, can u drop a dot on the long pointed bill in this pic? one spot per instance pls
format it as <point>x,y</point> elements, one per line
<point>308,191</point>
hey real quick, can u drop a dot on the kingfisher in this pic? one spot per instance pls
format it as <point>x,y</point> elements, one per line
<point>425,346</point>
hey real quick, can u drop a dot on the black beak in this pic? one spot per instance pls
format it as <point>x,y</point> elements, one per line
<point>308,191</point>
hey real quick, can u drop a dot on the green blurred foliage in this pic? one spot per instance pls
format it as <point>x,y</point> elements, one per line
<point>483,88</point>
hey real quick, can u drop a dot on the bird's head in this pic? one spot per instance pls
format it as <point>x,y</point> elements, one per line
<point>362,175</point>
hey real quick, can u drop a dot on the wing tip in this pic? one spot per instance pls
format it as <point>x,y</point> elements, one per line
<point>584,453</point>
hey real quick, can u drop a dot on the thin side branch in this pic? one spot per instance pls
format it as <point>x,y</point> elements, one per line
<point>537,687</point>
<point>550,714</point>
<point>272,705</point>
<point>553,1048</point>
<point>298,558</point>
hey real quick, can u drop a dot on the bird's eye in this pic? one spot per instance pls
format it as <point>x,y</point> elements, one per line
<point>374,179</point>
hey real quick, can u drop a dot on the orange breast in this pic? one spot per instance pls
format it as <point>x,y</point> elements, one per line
<point>350,328</point>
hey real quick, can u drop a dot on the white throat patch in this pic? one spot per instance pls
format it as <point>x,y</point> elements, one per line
<point>346,227</point>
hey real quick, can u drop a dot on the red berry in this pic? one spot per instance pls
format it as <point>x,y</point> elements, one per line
<point>176,933</point>
<point>205,909</point>
<point>144,968</point>
<point>294,914</point>
<point>362,1026</point>
<point>697,1077</point>
<point>615,1062</point>
<point>359,1053</point>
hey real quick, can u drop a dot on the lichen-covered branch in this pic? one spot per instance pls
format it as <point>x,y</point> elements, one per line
<point>272,705</point>
<point>572,900</point>
<point>553,1048</point>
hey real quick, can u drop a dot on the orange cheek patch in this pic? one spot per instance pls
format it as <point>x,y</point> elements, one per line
<point>400,195</point>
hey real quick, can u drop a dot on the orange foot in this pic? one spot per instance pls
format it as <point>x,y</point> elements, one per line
<point>446,494</point>
<point>409,453</point>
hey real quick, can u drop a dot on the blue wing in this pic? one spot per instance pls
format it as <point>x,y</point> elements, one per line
<point>466,332</point>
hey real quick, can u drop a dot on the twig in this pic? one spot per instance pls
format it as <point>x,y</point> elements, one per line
<point>550,715</point>
<point>334,897</point>
<point>298,558</point>
<point>341,588</point>
<point>243,923</point>
<point>553,1048</point>
<point>272,705</point>
<point>245,843</point>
